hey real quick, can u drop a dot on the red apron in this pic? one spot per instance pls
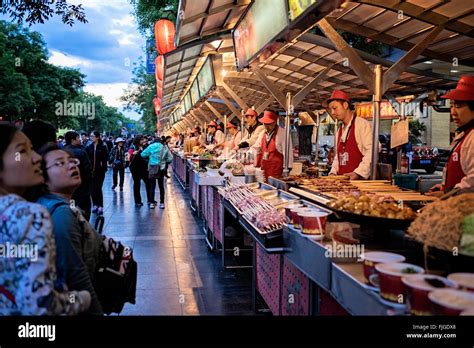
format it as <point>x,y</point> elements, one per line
<point>348,154</point>
<point>453,170</point>
<point>272,163</point>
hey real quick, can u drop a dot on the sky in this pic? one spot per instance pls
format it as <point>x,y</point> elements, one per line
<point>104,49</point>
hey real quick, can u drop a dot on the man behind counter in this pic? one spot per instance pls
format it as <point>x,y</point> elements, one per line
<point>354,139</point>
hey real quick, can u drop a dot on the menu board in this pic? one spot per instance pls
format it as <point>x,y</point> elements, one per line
<point>194,92</point>
<point>262,23</point>
<point>297,7</point>
<point>205,78</point>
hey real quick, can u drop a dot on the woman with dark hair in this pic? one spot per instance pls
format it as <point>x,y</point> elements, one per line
<point>139,170</point>
<point>40,133</point>
<point>77,242</point>
<point>27,282</point>
<point>98,154</point>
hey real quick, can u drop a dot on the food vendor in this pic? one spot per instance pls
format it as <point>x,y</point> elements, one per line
<point>459,170</point>
<point>216,136</point>
<point>272,146</point>
<point>254,129</point>
<point>354,139</point>
<point>235,134</point>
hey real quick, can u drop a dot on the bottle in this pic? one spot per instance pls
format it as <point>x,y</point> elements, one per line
<point>404,168</point>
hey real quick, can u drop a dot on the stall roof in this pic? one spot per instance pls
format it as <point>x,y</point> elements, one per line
<point>201,18</point>
<point>404,23</point>
<point>297,63</point>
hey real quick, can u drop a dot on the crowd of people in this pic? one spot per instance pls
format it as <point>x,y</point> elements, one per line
<point>49,186</point>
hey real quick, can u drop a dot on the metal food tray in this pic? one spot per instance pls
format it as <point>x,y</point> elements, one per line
<point>271,239</point>
<point>280,184</point>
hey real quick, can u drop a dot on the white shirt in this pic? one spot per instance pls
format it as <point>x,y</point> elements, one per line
<point>234,140</point>
<point>467,162</point>
<point>279,143</point>
<point>219,137</point>
<point>252,139</point>
<point>363,136</point>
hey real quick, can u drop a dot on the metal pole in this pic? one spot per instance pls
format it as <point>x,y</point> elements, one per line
<point>316,140</point>
<point>376,123</point>
<point>399,151</point>
<point>289,111</point>
<point>225,125</point>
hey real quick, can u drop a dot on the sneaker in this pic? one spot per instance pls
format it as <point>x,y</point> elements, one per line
<point>113,187</point>
<point>152,206</point>
<point>162,206</point>
<point>121,189</point>
<point>138,204</point>
<point>100,211</point>
<point>94,209</point>
<point>155,202</point>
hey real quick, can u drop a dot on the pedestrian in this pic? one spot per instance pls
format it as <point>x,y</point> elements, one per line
<point>82,195</point>
<point>117,160</point>
<point>98,155</point>
<point>139,170</point>
<point>40,133</point>
<point>85,141</point>
<point>28,285</point>
<point>158,155</point>
<point>61,141</point>
<point>77,243</point>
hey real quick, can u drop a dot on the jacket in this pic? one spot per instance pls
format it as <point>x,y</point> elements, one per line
<point>98,157</point>
<point>116,155</point>
<point>138,164</point>
<point>85,170</point>
<point>154,152</point>
<point>77,247</point>
<point>31,280</point>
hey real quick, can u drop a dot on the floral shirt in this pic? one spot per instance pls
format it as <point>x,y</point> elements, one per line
<point>28,263</point>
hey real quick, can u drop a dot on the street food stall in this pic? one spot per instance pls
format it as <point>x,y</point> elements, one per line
<point>322,245</point>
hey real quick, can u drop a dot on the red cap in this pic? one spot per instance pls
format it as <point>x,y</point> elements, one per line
<point>212,124</point>
<point>337,94</point>
<point>251,112</point>
<point>269,117</point>
<point>464,90</point>
<point>230,125</point>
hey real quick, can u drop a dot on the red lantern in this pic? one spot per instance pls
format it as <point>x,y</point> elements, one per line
<point>164,36</point>
<point>159,83</point>
<point>157,105</point>
<point>159,91</point>
<point>159,68</point>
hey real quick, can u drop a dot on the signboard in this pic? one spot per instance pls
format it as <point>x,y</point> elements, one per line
<point>150,57</point>
<point>298,7</point>
<point>263,22</point>
<point>366,110</point>
<point>205,78</point>
<point>399,133</point>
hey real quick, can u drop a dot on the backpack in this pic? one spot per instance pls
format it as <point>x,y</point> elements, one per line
<point>115,279</point>
<point>116,276</point>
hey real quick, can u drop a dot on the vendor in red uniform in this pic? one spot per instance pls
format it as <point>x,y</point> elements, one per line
<point>459,170</point>
<point>354,139</point>
<point>272,146</point>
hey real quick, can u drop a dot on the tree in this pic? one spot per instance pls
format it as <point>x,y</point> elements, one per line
<point>147,12</point>
<point>39,11</point>
<point>29,85</point>
<point>140,93</point>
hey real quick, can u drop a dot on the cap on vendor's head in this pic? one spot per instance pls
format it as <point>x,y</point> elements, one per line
<point>212,124</point>
<point>251,112</point>
<point>337,94</point>
<point>230,125</point>
<point>269,117</point>
<point>464,90</point>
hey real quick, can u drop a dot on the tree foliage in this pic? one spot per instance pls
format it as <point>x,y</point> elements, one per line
<point>147,12</point>
<point>39,11</point>
<point>32,88</point>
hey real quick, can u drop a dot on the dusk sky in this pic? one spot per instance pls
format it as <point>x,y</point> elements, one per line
<point>104,49</point>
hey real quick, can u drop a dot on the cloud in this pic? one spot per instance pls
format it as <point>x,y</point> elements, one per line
<point>111,92</point>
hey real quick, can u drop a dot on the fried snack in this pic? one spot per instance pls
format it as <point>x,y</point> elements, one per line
<point>439,225</point>
<point>373,205</point>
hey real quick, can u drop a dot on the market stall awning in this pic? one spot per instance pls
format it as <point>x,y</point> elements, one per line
<point>402,24</point>
<point>202,18</point>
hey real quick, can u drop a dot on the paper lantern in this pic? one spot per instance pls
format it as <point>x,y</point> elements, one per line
<point>159,83</point>
<point>159,68</point>
<point>159,92</point>
<point>157,105</point>
<point>164,36</point>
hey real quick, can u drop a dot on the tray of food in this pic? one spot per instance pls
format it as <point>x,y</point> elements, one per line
<point>373,210</point>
